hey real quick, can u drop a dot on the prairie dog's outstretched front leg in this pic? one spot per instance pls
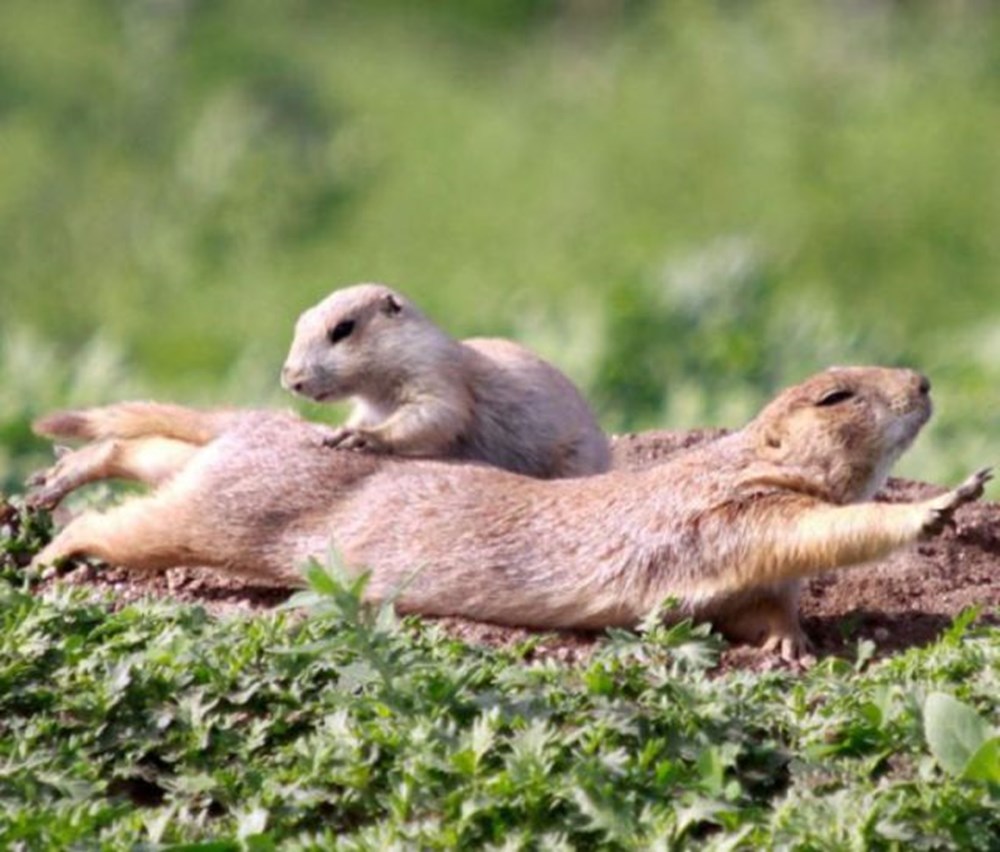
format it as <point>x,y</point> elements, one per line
<point>150,460</point>
<point>811,539</point>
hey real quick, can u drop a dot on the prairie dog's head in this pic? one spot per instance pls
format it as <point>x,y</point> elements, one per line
<point>360,341</point>
<point>842,430</point>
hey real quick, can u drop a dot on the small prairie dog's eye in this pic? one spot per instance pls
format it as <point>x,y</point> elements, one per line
<point>341,330</point>
<point>835,397</point>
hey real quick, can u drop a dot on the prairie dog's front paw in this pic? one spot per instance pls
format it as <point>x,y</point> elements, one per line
<point>346,438</point>
<point>942,510</point>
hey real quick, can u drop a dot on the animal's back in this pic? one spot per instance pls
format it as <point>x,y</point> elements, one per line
<point>530,415</point>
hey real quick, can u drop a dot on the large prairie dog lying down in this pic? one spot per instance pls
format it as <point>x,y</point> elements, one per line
<point>418,392</point>
<point>727,528</point>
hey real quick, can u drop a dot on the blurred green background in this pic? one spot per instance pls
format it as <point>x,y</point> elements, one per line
<point>685,205</point>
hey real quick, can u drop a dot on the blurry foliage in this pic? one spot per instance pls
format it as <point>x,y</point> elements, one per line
<point>36,378</point>
<point>710,316</point>
<point>686,204</point>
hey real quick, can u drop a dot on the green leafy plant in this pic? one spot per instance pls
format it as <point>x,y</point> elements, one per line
<point>962,742</point>
<point>334,722</point>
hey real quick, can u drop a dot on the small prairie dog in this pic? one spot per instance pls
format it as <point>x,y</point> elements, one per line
<point>727,528</point>
<point>419,392</point>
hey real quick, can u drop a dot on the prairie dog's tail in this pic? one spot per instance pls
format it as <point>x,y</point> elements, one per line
<point>137,420</point>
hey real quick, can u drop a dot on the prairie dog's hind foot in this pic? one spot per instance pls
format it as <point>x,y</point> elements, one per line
<point>770,621</point>
<point>47,561</point>
<point>72,469</point>
<point>151,460</point>
<point>941,510</point>
<point>791,646</point>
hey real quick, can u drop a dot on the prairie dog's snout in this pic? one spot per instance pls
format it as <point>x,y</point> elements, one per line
<point>907,401</point>
<point>291,378</point>
<point>914,386</point>
<point>919,395</point>
<point>908,410</point>
<point>300,379</point>
<point>297,378</point>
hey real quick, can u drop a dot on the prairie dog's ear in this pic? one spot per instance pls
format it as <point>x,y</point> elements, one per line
<point>391,305</point>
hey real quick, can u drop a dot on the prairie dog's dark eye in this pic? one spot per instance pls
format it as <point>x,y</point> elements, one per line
<point>341,330</point>
<point>835,397</point>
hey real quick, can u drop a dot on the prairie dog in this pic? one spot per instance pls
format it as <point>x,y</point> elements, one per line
<point>418,392</point>
<point>727,528</point>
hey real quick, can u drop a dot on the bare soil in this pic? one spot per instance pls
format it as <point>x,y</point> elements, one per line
<point>903,601</point>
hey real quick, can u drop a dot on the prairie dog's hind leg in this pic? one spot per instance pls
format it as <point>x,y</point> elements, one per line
<point>142,534</point>
<point>150,460</point>
<point>768,617</point>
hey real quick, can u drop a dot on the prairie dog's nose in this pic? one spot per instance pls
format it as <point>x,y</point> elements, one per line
<point>291,378</point>
<point>923,384</point>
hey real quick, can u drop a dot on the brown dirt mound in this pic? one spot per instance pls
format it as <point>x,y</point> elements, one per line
<point>899,602</point>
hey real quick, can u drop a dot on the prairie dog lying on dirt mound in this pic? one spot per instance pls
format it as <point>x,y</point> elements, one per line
<point>726,528</point>
<point>418,392</point>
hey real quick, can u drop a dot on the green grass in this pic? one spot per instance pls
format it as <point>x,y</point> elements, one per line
<point>153,726</point>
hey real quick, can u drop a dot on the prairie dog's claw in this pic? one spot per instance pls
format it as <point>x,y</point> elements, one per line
<point>47,485</point>
<point>790,647</point>
<point>43,490</point>
<point>346,438</point>
<point>942,510</point>
<point>973,487</point>
<point>336,437</point>
<point>37,479</point>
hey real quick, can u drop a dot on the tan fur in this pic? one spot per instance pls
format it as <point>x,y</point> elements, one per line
<point>137,420</point>
<point>152,460</point>
<point>727,528</point>
<point>419,393</point>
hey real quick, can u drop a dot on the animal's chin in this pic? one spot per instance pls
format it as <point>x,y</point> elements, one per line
<point>326,396</point>
<point>900,437</point>
<point>905,429</point>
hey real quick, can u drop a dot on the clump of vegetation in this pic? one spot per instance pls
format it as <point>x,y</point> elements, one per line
<point>155,724</point>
